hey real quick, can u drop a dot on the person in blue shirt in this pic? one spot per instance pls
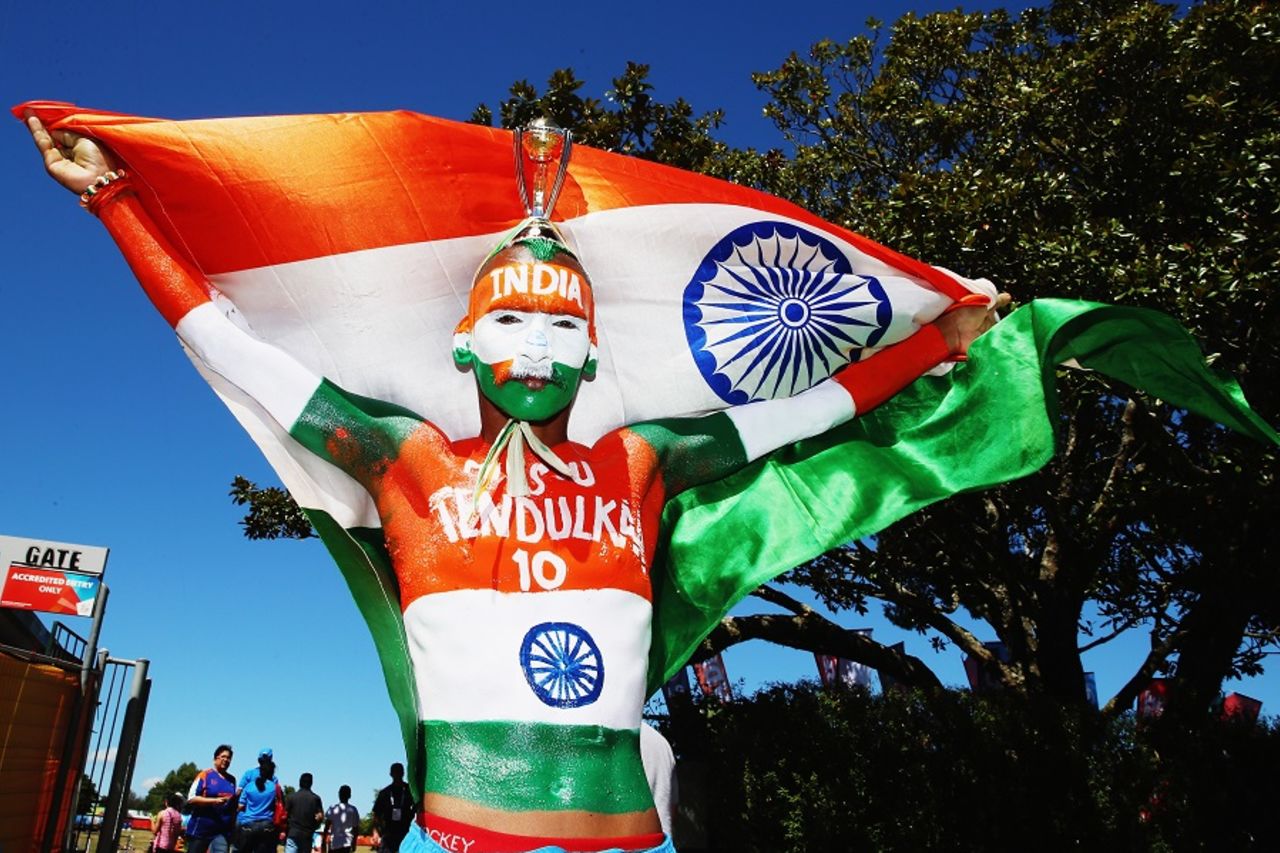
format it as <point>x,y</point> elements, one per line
<point>259,790</point>
<point>265,755</point>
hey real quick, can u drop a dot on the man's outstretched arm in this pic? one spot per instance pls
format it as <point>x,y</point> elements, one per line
<point>324,418</point>
<point>697,450</point>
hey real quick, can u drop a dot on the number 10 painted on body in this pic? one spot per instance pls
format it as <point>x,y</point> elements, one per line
<point>548,569</point>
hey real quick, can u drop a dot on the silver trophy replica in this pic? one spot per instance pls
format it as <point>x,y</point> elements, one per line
<point>542,159</point>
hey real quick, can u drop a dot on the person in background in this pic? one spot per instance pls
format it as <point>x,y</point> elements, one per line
<point>265,756</point>
<point>256,831</point>
<point>343,823</point>
<point>393,812</point>
<point>213,806</point>
<point>660,769</point>
<point>167,825</point>
<point>305,813</point>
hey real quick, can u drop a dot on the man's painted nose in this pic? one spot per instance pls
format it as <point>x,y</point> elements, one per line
<point>537,336</point>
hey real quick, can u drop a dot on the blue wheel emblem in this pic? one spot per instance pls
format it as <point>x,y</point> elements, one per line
<point>775,308</point>
<point>562,664</point>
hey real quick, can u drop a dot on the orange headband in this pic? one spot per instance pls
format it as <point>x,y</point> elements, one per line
<point>524,285</point>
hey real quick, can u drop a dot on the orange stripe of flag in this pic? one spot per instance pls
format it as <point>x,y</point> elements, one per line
<point>250,192</point>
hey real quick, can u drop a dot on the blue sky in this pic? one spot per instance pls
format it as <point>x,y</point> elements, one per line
<point>113,439</point>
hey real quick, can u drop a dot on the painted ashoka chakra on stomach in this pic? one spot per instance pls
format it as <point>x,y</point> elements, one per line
<point>775,308</point>
<point>562,664</point>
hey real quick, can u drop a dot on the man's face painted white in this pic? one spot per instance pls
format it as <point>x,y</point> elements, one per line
<point>528,333</point>
<point>530,362</point>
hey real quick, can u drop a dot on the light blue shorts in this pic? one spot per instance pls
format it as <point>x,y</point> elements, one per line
<point>417,841</point>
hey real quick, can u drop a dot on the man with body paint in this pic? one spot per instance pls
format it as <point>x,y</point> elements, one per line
<point>520,555</point>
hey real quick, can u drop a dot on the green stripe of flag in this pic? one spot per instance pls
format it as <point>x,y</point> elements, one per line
<point>537,766</point>
<point>987,422</point>
<point>362,557</point>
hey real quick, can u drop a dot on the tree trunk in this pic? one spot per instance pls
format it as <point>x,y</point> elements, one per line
<point>1058,655</point>
<point>1214,627</point>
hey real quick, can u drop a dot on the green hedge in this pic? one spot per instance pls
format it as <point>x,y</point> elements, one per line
<point>798,769</point>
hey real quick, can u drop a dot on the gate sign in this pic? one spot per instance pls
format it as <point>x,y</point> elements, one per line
<point>39,554</point>
<point>53,577</point>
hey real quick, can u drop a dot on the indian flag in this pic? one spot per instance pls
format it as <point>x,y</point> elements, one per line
<point>350,243</point>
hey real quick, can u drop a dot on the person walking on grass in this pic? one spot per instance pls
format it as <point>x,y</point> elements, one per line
<point>305,814</point>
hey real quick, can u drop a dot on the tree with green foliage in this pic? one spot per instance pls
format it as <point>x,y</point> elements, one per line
<point>176,780</point>
<point>1117,151</point>
<point>272,513</point>
<point>87,798</point>
<point>1121,151</point>
<point>633,121</point>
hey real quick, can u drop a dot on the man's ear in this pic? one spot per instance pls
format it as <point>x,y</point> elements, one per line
<point>593,362</point>
<point>462,354</point>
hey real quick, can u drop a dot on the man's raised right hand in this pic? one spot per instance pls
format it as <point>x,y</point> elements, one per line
<point>72,160</point>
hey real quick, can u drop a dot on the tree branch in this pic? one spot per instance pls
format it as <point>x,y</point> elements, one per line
<point>780,598</point>
<point>1128,443</point>
<point>814,633</point>
<point>1102,641</point>
<point>1157,656</point>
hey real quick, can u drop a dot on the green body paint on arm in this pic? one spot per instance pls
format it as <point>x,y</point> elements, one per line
<point>693,451</point>
<point>360,435</point>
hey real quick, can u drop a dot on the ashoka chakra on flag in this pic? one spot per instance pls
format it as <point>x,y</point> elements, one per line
<point>774,308</point>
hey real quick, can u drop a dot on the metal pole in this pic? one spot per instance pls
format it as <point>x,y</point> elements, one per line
<point>126,753</point>
<point>91,646</point>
